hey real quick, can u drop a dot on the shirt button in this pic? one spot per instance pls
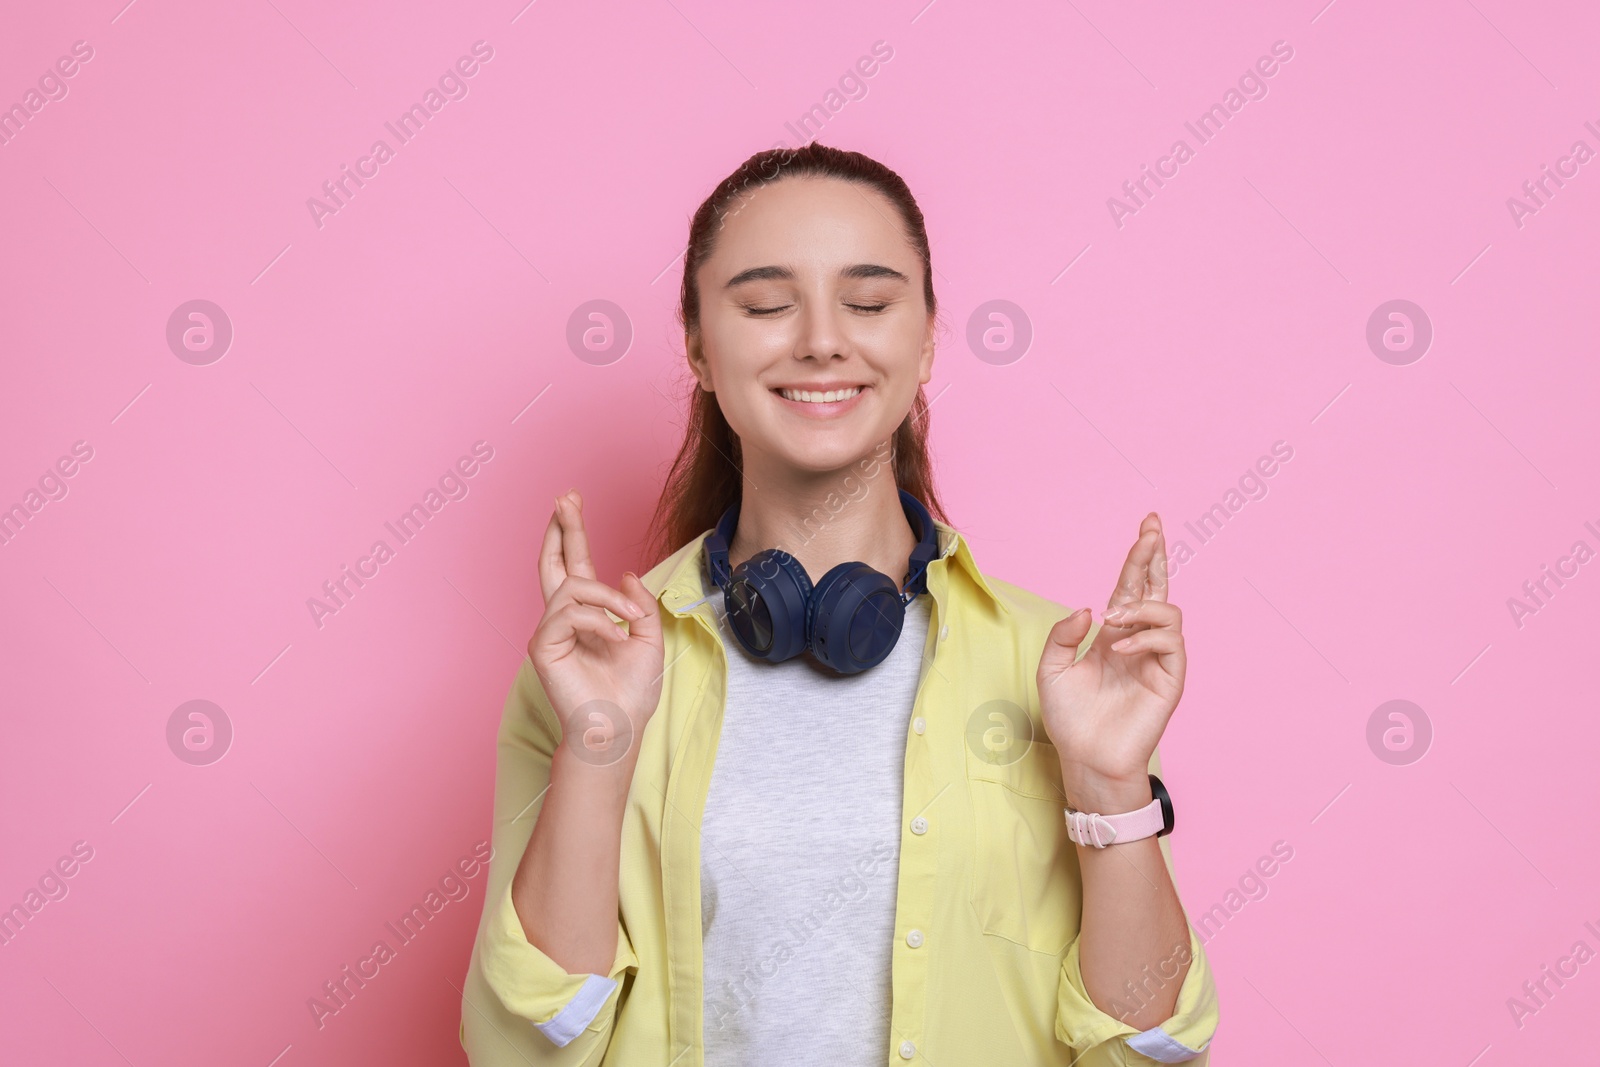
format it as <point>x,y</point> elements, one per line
<point>907,1050</point>
<point>944,631</point>
<point>919,724</point>
<point>919,825</point>
<point>914,939</point>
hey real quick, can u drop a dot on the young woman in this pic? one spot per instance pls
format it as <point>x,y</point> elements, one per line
<point>816,788</point>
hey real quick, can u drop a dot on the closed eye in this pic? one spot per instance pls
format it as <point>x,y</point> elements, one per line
<point>869,308</point>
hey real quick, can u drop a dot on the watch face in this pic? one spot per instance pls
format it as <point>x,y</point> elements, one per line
<point>1161,794</point>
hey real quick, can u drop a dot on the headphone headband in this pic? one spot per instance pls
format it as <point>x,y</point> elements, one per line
<point>849,620</point>
<point>925,552</point>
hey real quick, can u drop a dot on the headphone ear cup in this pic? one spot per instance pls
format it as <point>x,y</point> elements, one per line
<point>856,618</point>
<point>768,598</point>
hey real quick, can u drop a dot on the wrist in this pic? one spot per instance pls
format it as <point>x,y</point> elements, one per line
<point>1090,790</point>
<point>600,784</point>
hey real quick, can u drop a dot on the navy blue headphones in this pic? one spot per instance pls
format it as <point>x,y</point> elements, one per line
<point>849,621</point>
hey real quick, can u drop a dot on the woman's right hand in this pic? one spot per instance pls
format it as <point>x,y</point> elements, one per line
<point>603,683</point>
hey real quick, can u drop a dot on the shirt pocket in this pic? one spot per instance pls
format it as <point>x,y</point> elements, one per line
<point>1025,882</point>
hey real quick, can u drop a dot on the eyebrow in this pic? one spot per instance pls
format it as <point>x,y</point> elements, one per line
<point>775,273</point>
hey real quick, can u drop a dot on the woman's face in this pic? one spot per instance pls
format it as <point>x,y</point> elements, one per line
<point>812,289</point>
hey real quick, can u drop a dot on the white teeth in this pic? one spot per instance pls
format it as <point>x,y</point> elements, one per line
<point>805,396</point>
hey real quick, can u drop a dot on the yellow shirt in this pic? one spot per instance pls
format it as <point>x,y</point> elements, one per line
<point>986,870</point>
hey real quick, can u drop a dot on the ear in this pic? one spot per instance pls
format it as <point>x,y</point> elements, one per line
<point>697,360</point>
<point>925,360</point>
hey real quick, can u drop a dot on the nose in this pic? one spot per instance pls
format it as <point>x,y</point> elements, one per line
<point>822,334</point>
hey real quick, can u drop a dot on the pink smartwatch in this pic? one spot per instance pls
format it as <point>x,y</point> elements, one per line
<point>1092,828</point>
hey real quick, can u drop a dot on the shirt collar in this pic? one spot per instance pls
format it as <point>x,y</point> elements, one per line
<point>679,586</point>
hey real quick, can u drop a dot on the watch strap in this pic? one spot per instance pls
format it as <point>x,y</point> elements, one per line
<point>1097,830</point>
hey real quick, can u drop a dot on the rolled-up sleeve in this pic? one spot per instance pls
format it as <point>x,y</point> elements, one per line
<point>1181,1038</point>
<point>529,983</point>
<point>519,1006</point>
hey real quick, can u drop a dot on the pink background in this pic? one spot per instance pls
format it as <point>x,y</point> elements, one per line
<point>371,352</point>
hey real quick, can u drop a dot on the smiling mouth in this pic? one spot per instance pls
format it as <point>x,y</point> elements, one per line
<point>812,396</point>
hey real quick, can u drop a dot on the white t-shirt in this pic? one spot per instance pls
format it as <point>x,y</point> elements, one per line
<point>799,855</point>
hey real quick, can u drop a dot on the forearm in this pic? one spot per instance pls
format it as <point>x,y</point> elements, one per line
<point>565,888</point>
<point>1134,946</point>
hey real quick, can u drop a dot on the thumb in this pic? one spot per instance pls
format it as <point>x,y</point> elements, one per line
<point>1066,635</point>
<point>647,626</point>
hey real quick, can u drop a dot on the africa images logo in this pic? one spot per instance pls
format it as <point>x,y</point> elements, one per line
<point>1252,85</point>
<point>453,485</point>
<point>452,85</point>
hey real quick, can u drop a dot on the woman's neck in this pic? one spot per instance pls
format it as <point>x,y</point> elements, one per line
<point>825,519</point>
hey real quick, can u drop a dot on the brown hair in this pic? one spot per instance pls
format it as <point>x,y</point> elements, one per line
<point>705,478</point>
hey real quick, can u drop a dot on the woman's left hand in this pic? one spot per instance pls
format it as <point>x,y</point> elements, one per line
<point>1106,712</point>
